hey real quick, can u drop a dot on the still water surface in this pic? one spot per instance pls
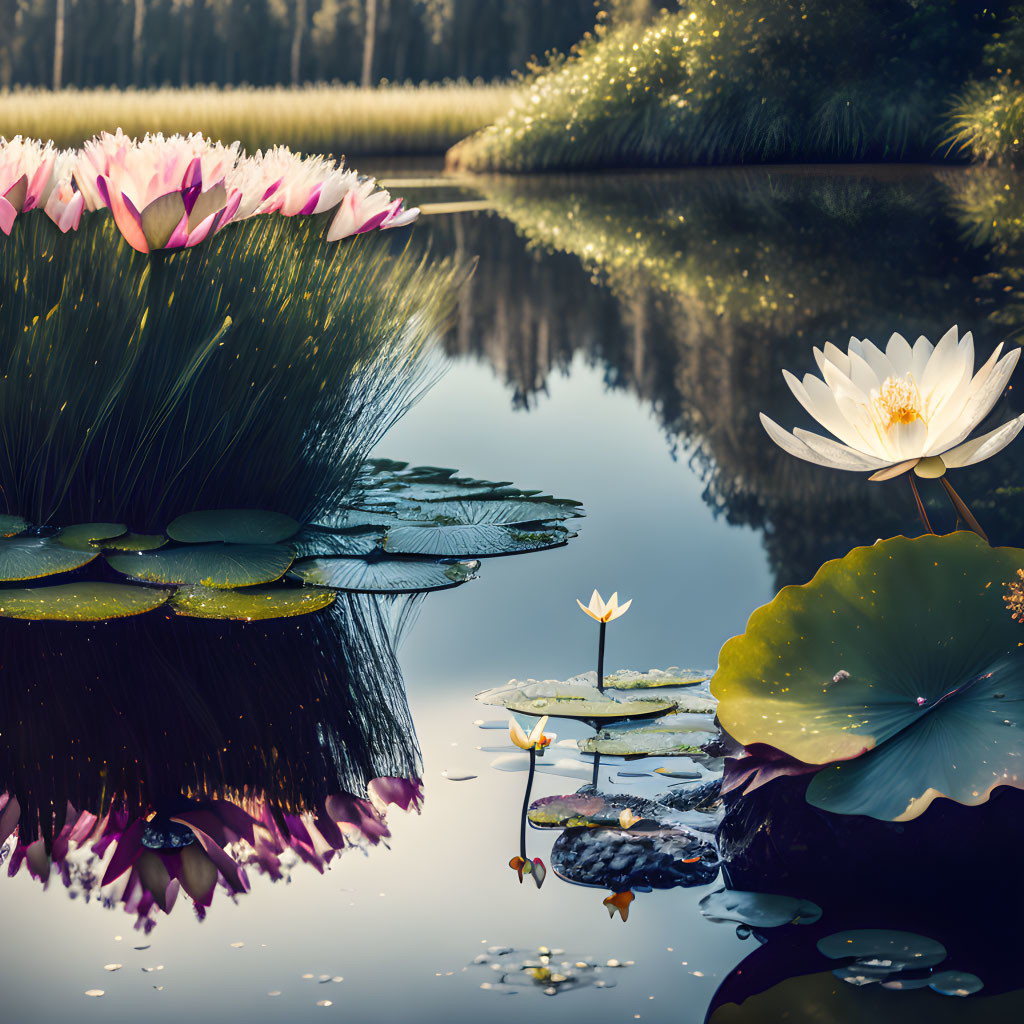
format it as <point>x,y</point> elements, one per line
<point>615,346</point>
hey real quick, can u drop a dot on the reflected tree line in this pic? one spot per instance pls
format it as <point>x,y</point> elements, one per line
<point>711,283</point>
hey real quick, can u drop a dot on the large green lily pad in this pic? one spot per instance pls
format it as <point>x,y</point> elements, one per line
<point>82,536</point>
<point>250,603</point>
<point>670,736</point>
<point>383,575</point>
<point>232,526</point>
<point>133,542</point>
<point>484,541</point>
<point>573,698</point>
<point>208,565</point>
<point>902,652</point>
<point>80,602</point>
<point>11,526</point>
<point>30,558</point>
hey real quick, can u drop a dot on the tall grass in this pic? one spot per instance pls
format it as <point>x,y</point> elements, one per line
<point>256,370</point>
<point>339,119</point>
<point>740,81</point>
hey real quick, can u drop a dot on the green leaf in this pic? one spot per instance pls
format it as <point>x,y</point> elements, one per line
<point>497,511</point>
<point>29,558</point>
<point>250,603</point>
<point>208,565</point>
<point>901,949</point>
<point>81,536</point>
<point>134,542</point>
<point>11,526</point>
<point>473,541</point>
<point>671,736</point>
<point>363,540</point>
<point>80,602</point>
<point>383,575</point>
<point>232,526</point>
<point>904,653</point>
<point>627,679</point>
<point>576,707</point>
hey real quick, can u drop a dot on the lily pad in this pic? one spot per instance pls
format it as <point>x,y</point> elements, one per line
<point>250,603</point>
<point>627,679</point>
<point>673,735</point>
<point>11,526</point>
<point>208,565</point>
<point>577,697</point>
<point>495,512</point>
<point>81,536</point>
<point>310,543</point>
<point>601,810</point>
<point>383,575</point>
<point>899,666</point>
<point>474,541</point>
<point>29,558</point>
<point>80,602</point>
<point>620,860</point>
<point>758,909</point>
<point>900,949</point>
<point>232,526</point>
<point>134,542</point>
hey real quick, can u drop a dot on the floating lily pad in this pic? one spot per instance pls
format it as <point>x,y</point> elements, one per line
<point>232,526</point>
<point>80,602</point>
<point>383,575</point>
<point>134,542</point>
<point>607,709</point>
<point>29,558</point>
<point>620,860</point>
<point>250,603</point>
<point>673,735</point>
<point>311,543</point>
<point>627,679</point>
<point>955,983</point>
<point>495,512</point>
<point>474,541</point>
<point>601,810</point>
<point>81,536</point>
<point>11,526</point>
<point>899,663</point>
<point>900,949</point>
<point>758,909</point>
<point>208,565</point>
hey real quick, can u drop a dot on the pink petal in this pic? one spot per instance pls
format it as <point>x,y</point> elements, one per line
<point>7,215</point>
<point>129,846</point>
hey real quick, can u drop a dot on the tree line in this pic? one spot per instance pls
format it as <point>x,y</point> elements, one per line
<point>88,43</point>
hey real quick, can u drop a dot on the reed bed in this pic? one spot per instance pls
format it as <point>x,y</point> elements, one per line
<point>339,119</point>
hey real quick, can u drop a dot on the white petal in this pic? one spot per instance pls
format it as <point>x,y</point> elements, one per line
<point>839,455</point>
<point>941,374</point>
<point>863,375</point>
<point>877,360</point>
<point>907,440</point>
<point>814,395</point>
<point>923,349</point>
<point>900,355</point>
<point>983,447</point>
<point>837,356</point>
<point>788,443</point>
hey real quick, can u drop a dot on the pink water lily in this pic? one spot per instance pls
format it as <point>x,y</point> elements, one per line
<point>365,208</point>
<point>26,166</point>
<point>280,181</point>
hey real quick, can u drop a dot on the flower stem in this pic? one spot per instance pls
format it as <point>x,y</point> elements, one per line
<point>600,658</point>
<point>526,803</point>
<point>597,768</point>
<point>963,511</point>
<point>920,504</point>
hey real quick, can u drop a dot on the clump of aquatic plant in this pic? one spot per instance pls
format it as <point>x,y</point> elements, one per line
<point>256,370</point>
<point>767,80</point>
<point>907,408</point>
<point>893,676</point>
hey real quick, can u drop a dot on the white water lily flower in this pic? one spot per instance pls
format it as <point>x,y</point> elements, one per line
<point>604,612</point>
<point>909,407</point>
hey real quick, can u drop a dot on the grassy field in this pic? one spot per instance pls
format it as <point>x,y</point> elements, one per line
<point>339,119</point>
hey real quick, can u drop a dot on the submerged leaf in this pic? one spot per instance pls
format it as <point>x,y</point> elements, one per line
<point>29,558</point>
<point>209,565</point>
<point>383,575</point>
<point>758,909</point>
<point>249,603</point>
<point>232,526</point>
<point>80,602</point>
<point>81,536</point>
<point>311,543</point>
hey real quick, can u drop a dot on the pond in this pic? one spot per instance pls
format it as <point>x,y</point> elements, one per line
<point>615,345</point>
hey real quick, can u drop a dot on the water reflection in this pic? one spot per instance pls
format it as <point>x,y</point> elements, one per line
<point>715,281</point>
<point>155,751</point>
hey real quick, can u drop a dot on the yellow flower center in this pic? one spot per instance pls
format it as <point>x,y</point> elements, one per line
<point>898,401</point>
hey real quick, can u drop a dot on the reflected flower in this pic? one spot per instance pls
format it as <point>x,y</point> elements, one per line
<point>535,868</point>
<point>364,209</point>
<point>909,407</point>
<point>536,740</point>
<point>26,166</point>
<point>602,612</point>
<point>619,902</point>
